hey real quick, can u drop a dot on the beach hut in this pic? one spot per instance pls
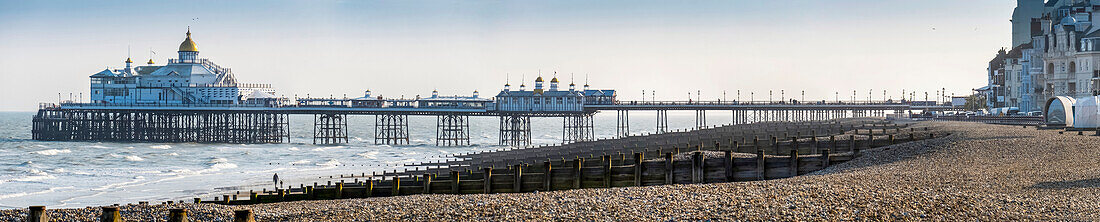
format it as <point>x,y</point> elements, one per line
<point>1058,111</point>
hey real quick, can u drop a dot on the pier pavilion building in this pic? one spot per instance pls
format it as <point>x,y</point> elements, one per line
<point>187,79</point>
<point>539,99</point>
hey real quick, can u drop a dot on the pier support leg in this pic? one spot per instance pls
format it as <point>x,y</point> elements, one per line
<point>330,128</point>
<point>662,121</point>
<point>452,130</point>
<point>622,123</point>
<point>700,119</point>
<point>391,129</point>
<point>515,130</point>
<point>577,128</point>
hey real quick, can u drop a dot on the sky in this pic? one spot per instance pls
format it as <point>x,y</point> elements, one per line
<point>408,48</point>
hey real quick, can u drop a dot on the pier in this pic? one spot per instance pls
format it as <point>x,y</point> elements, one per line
<point>269,123</point>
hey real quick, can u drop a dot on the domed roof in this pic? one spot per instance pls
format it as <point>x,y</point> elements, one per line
<point>538,79</point>
<point>1069,20</point>
<point>554,80</point>
<point>150,62</point>
<point>188,45</point>
<point>128,60</point>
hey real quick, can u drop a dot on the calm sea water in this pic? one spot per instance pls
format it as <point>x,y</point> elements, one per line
<point>78,174</point>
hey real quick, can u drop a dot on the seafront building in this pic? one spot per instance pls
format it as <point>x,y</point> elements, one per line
<point>1055,52</point>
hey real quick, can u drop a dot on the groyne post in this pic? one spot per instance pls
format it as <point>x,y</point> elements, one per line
<point>38,214</point>
<point>669,168</point>
<point>396,189</point>
<point>517,178</point>
<point>638,169</point>
<point>427,183</point>
<point>455,182</point>
<point>177,215</point>
<point>547,176</point>
<point>697,171</point>
<point>243,216</point>
<point>488,184</point>
<point>110,214</point>
<point>729,166</point>
<point>794,162</point>
<point>607,171</point>
<point>577,165</point>
<point>761,167</point>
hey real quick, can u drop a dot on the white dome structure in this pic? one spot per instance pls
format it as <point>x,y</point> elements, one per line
<point>1069,20</point>
<point>1058,111</point>
<point>1085,112</point>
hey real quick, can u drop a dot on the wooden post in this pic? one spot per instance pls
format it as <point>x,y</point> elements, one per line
<point>455,183</point>
<point>733,145</point>
<point>852,143</point>
<point>825,155</point>
<point>815,149</point>
<point>243,216</point>
<point>638,170</point>
<point>488,184</point>
<point>177,215</point>
<point>517,178</point>
<point>794,143</point>
<point>110,214</point>
<point>38,214</point>
<point>775,145</point>
<point>794,163</point>
<point>697,167</point>
<point>755,143</point>
<point>547,176</point>
<point>728,159</point>
<point>340,190</point>
<point>717,146</point>
<point>368,190</point>
<point>427,183</point>
<point>577,165</point>
<point>607,171</point>
<point>761,166</point>
<point>832,143</point>
<point>669,169</point>
<point>396,189</point>
<point>891,138</point>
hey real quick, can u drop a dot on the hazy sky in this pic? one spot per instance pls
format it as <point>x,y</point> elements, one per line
<point>397,48</point>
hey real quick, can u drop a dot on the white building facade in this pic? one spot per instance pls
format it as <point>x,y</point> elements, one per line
<point>187,79</point>
<point>1055,52</point>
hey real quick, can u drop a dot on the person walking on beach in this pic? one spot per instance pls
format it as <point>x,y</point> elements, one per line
<point>275,179</point>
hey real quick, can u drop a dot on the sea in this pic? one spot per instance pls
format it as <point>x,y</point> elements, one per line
<point>64,174</point>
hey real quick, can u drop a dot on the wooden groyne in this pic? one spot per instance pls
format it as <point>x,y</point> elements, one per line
<point>530,170</point>
<point>112,214</point>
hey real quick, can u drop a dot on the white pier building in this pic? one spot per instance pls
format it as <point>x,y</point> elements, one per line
<point>185,80</point>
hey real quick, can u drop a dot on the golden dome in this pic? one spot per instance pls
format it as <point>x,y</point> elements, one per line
<point>554,80</point>
<point>188,45</point>
<point>150,62</point>
<point>128,60</point>
<point>539,79</point>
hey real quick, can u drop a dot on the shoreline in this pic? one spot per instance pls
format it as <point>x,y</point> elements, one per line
<point>984,172</point>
